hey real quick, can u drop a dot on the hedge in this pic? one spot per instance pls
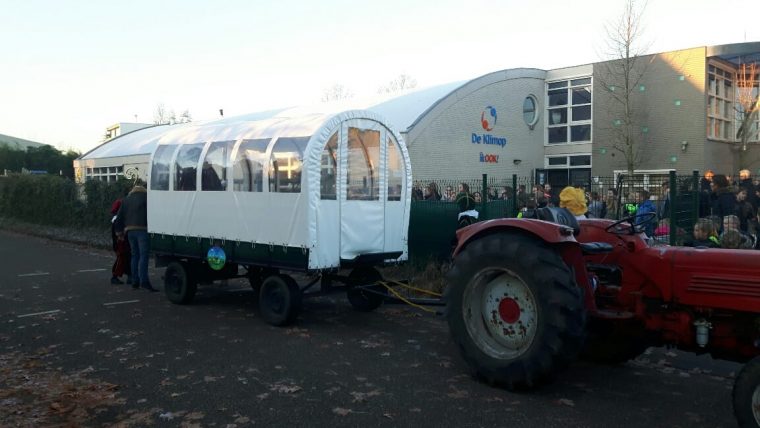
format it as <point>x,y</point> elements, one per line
<point>58,201</point>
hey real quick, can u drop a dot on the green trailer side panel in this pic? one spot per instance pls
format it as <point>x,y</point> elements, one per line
<point>244,253</point>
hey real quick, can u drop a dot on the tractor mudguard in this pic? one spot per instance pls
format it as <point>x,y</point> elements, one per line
<point>551,233</point>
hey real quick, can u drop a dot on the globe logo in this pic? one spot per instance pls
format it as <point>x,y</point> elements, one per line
<point>216,258</point>
<point>488,118</point>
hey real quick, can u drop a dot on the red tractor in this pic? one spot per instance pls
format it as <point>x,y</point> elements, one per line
<point>527,296</point>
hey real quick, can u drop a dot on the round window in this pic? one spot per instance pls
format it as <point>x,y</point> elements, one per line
<point>529,111</point>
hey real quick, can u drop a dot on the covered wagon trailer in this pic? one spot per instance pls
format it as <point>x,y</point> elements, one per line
<point>315,193</point>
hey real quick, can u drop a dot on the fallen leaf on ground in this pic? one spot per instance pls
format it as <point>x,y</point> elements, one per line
<point>340,411</point>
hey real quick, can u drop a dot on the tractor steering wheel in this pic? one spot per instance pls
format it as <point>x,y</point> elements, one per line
<point>636,221</point>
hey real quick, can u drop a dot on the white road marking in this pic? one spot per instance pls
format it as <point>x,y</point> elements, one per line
<point>39,313</point>
<point>120,303</point>
<point>34,274</point>
<point>90,270</point>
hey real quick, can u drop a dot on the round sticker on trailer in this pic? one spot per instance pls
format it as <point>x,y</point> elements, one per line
<point>216,258</point>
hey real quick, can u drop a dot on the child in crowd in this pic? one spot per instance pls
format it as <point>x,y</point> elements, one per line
<point>731,238</point>
<point>704,235</point>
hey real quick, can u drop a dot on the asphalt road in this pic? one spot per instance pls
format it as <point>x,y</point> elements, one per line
<point>75,349</point>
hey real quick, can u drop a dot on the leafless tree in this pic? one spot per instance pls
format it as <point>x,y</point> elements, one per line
<point>160,115</point>
<point>185,117</point>
<point>747,107</point>
<point>399,84</point>
<point>620,78</point>
<point>336,92</point>
<point>164,116</point>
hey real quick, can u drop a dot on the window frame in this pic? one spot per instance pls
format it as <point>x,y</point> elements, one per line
<point>532,123</point>
<point>572,86</point>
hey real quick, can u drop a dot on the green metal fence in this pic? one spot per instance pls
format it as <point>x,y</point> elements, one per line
<point>433,221</point>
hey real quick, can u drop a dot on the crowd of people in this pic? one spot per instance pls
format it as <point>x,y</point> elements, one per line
<point>728,210</point>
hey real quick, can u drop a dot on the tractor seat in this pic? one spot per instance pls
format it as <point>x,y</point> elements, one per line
<point>565,217</point>
<point>596,247</point>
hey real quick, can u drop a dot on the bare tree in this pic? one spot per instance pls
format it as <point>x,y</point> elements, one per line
<point>620,77</point>
<point>164,116</point>
<point>160,115</point>
<point>747,107</point>
<point>336,92</point>
<point>185,117</point>
<point>399,84</point>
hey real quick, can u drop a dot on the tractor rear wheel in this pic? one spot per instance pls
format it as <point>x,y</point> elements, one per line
<point>747,395</point>
<point>514,309</point>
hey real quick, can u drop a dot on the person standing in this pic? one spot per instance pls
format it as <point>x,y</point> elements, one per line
<point>596,208</point>
<point>746,212</point>
<point>643,209</point>
<point>612,204</point>
<point>724,200</point>
<point>122,264</point>
<point>466,202</point>
<point>551,196</point>
<point>746,183</point>
<point>133,215</point>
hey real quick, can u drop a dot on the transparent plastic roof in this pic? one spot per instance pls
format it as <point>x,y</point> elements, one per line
<point>400,112</point>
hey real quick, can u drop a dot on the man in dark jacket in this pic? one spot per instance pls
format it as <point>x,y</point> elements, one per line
<point>724,202</point>
<point>745,182</point>
<point>133,216</point>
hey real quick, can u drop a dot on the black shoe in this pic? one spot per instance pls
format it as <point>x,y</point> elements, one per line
<point>148,287</point>
<point>116,281</point>
<point>135,286</point>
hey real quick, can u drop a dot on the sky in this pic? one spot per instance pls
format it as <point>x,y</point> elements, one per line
<point>71,68</point>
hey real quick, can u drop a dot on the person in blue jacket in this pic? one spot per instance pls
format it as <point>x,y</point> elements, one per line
<point>646,206</point>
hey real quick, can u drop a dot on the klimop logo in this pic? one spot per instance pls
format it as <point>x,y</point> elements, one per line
<point>488,121</point>
<point>488,118</point>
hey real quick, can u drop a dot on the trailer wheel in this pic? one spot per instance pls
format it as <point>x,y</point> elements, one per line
<point>179,284</point>
<point>514,309</point>
<point>365,299</point>
<point>747,395</point>
<point>279,300</point>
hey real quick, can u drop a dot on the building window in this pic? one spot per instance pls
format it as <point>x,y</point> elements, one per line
<point>583,160</point>
<point>529,111</point>
<point>556,161</point>
<point>568,106</point>
<point>720,101</point>
<point>747,89</point>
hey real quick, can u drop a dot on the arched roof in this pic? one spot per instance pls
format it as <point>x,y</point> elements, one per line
<point>402,112</point>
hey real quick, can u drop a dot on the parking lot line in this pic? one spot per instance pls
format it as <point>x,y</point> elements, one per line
<point>33,274</point>
<point>90,270</point>
<point>39,313</point>
<point>120,303</point>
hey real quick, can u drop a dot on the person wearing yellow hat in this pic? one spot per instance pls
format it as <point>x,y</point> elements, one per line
<point>574,200</point>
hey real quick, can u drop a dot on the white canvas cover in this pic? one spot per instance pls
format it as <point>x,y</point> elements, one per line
<point>329,229</point>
